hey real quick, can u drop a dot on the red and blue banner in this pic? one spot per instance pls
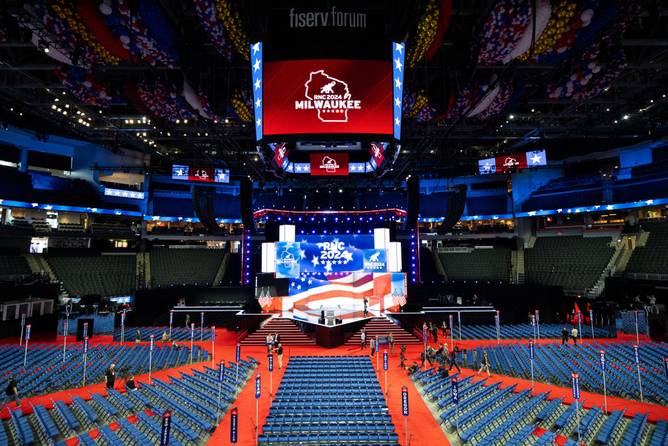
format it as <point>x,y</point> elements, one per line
<point>329,164</point>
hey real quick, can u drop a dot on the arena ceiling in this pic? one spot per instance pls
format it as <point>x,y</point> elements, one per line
<point>633,107</point>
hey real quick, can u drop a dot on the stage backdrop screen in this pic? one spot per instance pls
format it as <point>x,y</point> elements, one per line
<point>327,96</point>
<point>329,254</point>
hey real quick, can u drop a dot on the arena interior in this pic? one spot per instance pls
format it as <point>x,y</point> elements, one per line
<point>382,222</point>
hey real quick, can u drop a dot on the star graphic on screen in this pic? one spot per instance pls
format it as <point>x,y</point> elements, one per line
<point>299,287</point>
<point>397,82</point>
<point>397,64</point>
<point>256,65</point>
<point>328,266</point>
<point>399,48</point>
<point>302,254</point>
<point>310,281</point>
<point>536,159</point>
<point>315,261</point>
<point>487,167</point>
<point>397,102</point>
<point>397,121</point>
<point>258,122</point>
<point>256,47</point>
<point>258,103</point>
<point>258,84</point>
<point>348,256</point>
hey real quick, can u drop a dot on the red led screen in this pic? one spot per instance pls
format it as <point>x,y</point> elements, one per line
<point>327,96</point>
<point>329,164</point>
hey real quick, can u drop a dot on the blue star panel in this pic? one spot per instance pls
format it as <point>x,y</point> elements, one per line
<point>256,71</point>
<point>398,50</point>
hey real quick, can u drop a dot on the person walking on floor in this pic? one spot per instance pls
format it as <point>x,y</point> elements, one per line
<point>390,340</point>
<point>279,353</point>
<point>484,364</point>
<point>564,336</point>
<point>363,340</point>
<point>366,306</point>
<point>372,343</point>
<point>453,360</point>
<point>110,376</point>
<point>574,335</point>
<point>444,329</point>
<point>434,331</point>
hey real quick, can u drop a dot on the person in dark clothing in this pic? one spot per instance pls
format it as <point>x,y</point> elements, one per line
<point>453,360</point>
<point>564,336</point>
<point>443,372</point>
<point>366,307</point>
<point>413,369</point>
<point>130,384</point>
<point>137,336</point>
<point>434,331</point>
<point>12,392</point>
<point>279,353</point>
<point>110,376</point>
<point>402,360</point>
<point>187,320</point>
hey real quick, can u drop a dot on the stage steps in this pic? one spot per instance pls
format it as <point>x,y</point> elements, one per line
<point>381,326</point>
<point>290,333</point>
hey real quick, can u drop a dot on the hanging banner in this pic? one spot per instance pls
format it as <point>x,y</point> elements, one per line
<point>166,427</point>
<point>531,350</point>
<point>576,385</point>
<point>270,362</point>
<point>27,336</point>
<point>151,342</point>
<point>123,319</point>
<point>85,329</point>
<point>238,353</point>
<point>213,333</point>
<point>385,361</point>
<point>455,391</point>
<point>234,426</point>
<point>258,390</point>
<point>404,401</point>
<point>635,353</point>
<point>85,349</point>
<point>602,355</point>
<point>221,372</point>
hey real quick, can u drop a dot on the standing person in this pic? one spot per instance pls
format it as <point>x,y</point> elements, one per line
<point>12,392</point>
<point>402,360</point>
<point>187,320</point>
<point>137,336</point>
<point>270,341</point>
<point>434,332</point>
<point>574,335</point>
<point>390,340</point>
<point>564,336</point>
<point>279,352</point>
<point>277,339</point>
<point>484,364</point>
<point>372,343</point>
<point>453,360</point>
<point>366,306</point>
<point>165,336</point>
<point>110,376</point>
<point>363,339</point>
<point>444,329</point>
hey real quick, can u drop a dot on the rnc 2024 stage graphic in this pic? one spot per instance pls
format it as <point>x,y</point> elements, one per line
<point>335,273</point>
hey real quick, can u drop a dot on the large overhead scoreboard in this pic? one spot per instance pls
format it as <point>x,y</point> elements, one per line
<point>314,84</point>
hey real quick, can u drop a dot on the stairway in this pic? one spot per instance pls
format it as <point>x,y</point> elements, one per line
<point>290,333</point>
<point>381,326</point>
